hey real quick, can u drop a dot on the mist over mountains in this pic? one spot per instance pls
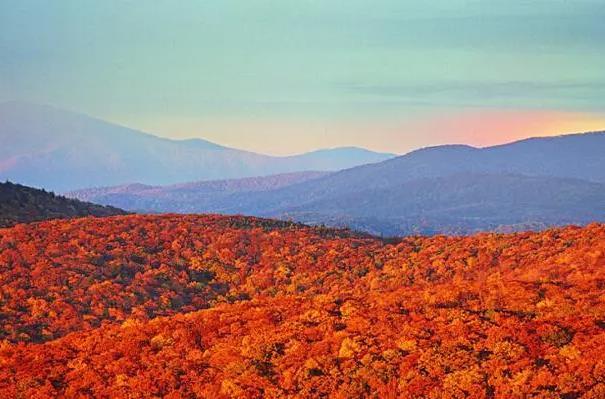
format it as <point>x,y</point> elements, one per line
<point>457,189</point>
<point>528,184</point>
<point>61,150</point>
<point>194,197</point>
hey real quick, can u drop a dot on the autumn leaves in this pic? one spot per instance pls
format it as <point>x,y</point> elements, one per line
<point>209,306</point>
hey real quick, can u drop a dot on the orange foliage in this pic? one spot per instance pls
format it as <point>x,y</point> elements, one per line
<point>210,307</point>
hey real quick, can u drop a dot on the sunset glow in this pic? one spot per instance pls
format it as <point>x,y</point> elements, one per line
<point>369,199</point>
<point>287,77</point>
<point>391,134</point>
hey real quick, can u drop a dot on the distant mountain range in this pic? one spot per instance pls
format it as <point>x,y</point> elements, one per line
<point>60,150</point>
<point>195,197</point>
<point>457,204</point>
<point>528,184</point>
<point>21,204</point>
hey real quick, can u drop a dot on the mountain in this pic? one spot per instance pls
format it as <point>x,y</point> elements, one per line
<point>529,184</point>
<point>61,150</point>
<point>21,204</point>
<point>195,197</point>
<point>186,306</point>
<point>579,156</point>
<point>456,204</point>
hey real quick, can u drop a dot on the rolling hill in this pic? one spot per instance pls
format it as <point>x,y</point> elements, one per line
<point>61,150</point>
<point>579,156</point>
<point>529,184</point>
<point>195,197</point>
<point>219,307</point>
<point>21,204</point>
<point>456,204</point>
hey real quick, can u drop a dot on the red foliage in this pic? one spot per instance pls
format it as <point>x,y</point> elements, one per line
<point>297,311</point>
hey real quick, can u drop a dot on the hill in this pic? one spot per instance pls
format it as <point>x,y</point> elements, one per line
<point>455,204</point>
<point>21,204</point>
<point>534,183</point>
<point>195,197</point>
<point>61,150</point>
<point>578,156</point>
<point>210,306</point>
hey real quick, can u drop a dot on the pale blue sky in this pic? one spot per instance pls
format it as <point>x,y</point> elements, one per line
<point>289,76</point>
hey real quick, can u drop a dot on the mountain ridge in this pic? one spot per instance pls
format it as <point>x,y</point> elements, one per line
<point>570,169</point>
<point>63,150</point>
<point>187,197</point>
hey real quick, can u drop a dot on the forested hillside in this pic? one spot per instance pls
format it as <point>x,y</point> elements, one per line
<point>194,197</point>
<point>221,307</point>
<point>22,204</point>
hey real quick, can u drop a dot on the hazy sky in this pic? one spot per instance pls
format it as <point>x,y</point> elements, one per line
<point>289,76</point>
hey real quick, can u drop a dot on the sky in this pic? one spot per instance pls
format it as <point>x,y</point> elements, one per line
<point>288,76</point>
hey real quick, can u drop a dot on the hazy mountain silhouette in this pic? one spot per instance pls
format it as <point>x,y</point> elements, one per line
<point>580,156</point>
<point>195,197</point>
<point>531,183</point>
<point>456,204</point>
<point>61,150</point>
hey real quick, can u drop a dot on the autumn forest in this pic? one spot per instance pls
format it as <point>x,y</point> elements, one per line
<point>269,199</point>
<point>181,306</point>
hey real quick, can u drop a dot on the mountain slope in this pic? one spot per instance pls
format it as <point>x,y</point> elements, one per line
<point>195,197</point>
<point>61,150</point>
<point>223,307</point>
<point>580,156</point>
<point>456,204</point>
<point>530,184</point>
<point>21,204</point>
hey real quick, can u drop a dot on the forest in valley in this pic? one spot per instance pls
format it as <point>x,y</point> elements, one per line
<point>183,306</point>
